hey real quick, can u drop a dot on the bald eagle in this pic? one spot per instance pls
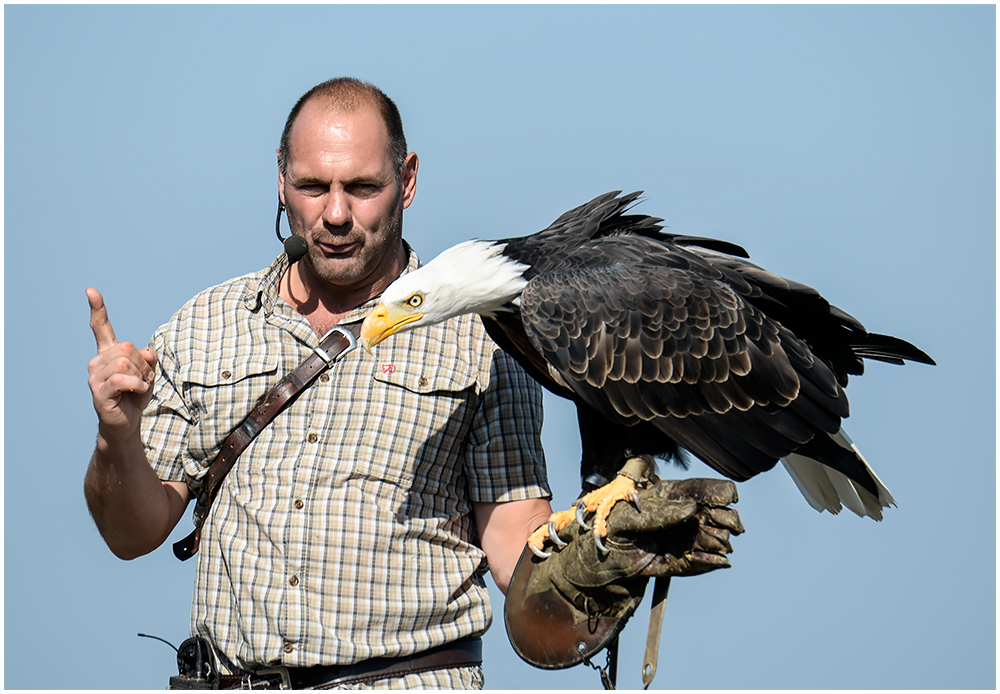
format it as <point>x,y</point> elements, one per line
<point>666,343</point>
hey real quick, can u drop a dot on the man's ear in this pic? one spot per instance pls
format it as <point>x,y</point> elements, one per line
<point>409,178</point>
<point>281,179</point>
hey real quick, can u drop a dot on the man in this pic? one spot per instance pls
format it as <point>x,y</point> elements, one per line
<point>358,525</point>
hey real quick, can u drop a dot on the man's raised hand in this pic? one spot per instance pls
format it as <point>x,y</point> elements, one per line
<point>121,376</point>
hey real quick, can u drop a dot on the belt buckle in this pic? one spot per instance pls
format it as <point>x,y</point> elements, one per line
<point>272,673</point>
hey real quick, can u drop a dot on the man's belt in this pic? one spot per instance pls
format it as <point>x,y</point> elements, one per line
<point>334,345</point>
<point>463,653</point>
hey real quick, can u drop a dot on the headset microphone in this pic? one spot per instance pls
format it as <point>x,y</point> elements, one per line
<point>295,246</point>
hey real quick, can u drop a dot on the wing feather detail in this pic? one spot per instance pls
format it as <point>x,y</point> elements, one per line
<point>658,343</point>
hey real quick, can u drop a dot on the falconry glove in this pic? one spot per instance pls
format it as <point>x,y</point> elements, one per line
<point>562,610</point>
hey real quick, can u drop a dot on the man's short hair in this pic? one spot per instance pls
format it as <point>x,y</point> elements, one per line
<point>349,94</point>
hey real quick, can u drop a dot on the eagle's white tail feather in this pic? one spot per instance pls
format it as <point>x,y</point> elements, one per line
<point>846,492</point>
<point>828,490</point>
<point>816,488</point>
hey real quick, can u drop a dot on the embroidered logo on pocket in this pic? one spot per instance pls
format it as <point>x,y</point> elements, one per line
<point>388,368</point>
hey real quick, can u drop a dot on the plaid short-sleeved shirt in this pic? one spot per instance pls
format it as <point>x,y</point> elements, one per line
<point>344,532</point>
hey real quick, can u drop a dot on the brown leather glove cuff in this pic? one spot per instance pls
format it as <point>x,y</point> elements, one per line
<point>548,629</point>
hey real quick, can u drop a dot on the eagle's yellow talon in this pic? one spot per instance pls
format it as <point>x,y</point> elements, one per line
<point>602,500</point>
<point>554,535</point>
<point>557,521</point>
<point>599,502</point>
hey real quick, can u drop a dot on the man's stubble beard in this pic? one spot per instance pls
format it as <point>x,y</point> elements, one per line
<point>367,263</point>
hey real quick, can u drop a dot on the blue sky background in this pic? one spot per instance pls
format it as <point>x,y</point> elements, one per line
<point>848,147</point>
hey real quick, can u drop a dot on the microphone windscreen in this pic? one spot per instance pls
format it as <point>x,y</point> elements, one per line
<point>295,247</point>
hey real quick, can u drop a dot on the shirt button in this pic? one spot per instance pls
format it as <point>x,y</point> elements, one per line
<point>312,438</point>
<point>289,648</point>
<point>423,381</point>
<point>294,580</point>
<point>324,377</point>
<point>227,374</point>
<point>298,503</point>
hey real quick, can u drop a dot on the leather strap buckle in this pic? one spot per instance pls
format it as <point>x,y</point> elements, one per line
<point>272,673</point>
<point>352,344</point>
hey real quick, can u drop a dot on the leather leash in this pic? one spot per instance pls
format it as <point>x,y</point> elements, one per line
<point>338,342</point>
<point>659,604</point>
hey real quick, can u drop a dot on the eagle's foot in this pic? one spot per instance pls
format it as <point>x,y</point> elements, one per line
<point>550,531</point>
<point>624,487</point>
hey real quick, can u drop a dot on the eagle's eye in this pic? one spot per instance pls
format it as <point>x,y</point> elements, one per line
<point>415,300</point>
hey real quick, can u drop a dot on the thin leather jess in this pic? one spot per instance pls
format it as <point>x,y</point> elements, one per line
<point>334,345</point>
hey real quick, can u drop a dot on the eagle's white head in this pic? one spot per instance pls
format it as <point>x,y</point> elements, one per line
<point>472,277</point>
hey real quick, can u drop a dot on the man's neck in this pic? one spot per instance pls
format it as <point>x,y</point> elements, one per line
<point>321,304</point>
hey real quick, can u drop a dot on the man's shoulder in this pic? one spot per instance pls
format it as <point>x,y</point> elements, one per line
<point>217,305</point>
<point>472,345</point>
<point>237,290</point>
<point>468,333</point>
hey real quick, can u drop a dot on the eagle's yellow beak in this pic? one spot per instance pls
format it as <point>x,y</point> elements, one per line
<point>381,323</point>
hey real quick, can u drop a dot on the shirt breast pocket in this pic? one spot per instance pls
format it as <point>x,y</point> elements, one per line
<point>221,393</point>
<point>420,420</point>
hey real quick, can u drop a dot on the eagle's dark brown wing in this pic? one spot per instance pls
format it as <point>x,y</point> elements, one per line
<point>649,337</point>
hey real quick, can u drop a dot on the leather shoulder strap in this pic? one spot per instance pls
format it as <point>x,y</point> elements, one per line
<point>335,344</point>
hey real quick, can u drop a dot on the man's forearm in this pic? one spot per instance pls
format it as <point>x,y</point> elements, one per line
<point>503,530</point>
<point>133,509</point>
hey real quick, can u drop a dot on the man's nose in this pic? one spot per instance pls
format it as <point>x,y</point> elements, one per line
<point>338,210</point>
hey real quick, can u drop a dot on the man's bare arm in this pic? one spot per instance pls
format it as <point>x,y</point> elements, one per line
<point>504,529</point>
<point>133,509</point>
